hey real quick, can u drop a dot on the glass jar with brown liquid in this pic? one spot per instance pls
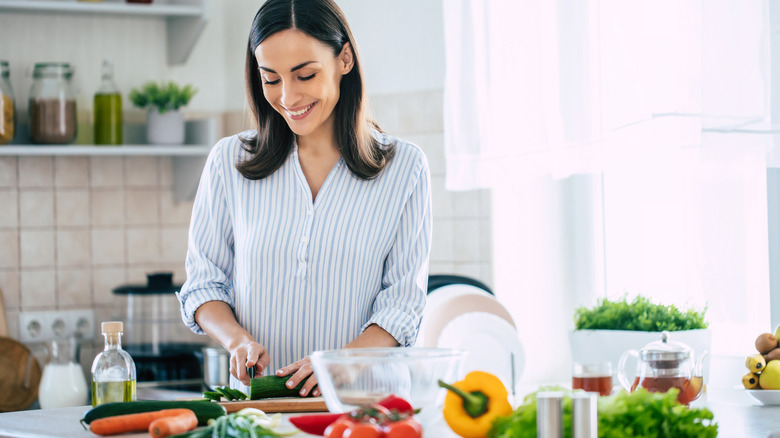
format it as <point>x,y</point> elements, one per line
<point>52,105</point>
<point>663,365</point>
<point>7,109</point>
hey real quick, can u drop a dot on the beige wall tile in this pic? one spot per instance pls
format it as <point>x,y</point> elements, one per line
<point>141,172</point>
<point>143,245</point>
<point>142,207</point>
<point>174,244</point>
<point>174,213</point>
<point>71,172</point>
<point>441,245</point>
<point>108,207</point>
<point>36,208</point>
<point>441,199</point>
<point>473,270</point>
<point>467,204</point>
<point>13,323</point>
<point>73,247</point>
<point>9,249</point>
<point>8,174</point>
<point>36,172</point>
<point>486,240</point>
<point>386,111</point>
<point>441,268</point>
<point>38,289</point>
<point>37,249</point>
<point>9,213</point>
<point>9,284</point>
<point>166,171</point>
<point>466,244</point>
<point>106,172</point>
<point>72,208</point>
<point>137,273</point>
<point>104,281</point>
<point>486,203</point>
<point>74,288</point>
<point>108,246</point>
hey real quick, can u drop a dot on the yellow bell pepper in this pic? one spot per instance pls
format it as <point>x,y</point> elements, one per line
<point>473,403</point>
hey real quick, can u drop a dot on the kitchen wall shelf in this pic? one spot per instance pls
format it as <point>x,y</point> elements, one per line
<point>185,19</point>
<point>187,160</point>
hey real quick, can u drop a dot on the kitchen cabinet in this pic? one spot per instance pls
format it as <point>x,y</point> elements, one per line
<point>185,19</point>
<point>187,160</point>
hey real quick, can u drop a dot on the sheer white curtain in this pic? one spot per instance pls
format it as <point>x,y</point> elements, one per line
<point>666,103</point>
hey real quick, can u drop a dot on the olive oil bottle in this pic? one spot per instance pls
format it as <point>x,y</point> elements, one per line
<point>113,371</point>
<point>108,109</point>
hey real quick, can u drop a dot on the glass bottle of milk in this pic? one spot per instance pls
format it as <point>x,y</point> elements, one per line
<point>63,383</point>
<point>113,371</point>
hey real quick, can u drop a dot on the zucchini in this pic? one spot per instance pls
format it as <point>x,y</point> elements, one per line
<point>272,386</point>
<point>204,410</point>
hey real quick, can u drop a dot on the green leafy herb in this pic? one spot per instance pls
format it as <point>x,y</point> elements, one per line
<point>639,315</point>
<point>639,414</point>
<point>246,423</point>
<point>166,96</point>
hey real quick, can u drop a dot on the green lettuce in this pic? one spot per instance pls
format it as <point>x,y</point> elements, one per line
<point>639,414</point>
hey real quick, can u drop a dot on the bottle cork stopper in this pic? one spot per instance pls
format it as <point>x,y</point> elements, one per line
<point>111,327</point>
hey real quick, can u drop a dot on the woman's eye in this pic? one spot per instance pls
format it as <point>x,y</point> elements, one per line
<point>267,82</point>
<point>306,78</point>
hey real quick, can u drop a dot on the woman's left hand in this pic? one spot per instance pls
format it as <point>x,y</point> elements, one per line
<point>301,372</point>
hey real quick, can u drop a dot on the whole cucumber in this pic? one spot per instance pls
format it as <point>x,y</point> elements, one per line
<point>272,386</point>
<point>204,410</point>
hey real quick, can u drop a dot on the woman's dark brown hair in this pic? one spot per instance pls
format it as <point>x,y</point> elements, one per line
<point>323,20</point>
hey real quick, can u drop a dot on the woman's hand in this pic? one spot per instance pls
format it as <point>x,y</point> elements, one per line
<point>301,371</point>
<point>247,353</point>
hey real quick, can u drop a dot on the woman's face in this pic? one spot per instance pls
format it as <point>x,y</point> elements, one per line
<point>301,78</point>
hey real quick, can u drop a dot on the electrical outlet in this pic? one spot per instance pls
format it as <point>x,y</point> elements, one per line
<point>45,325</point>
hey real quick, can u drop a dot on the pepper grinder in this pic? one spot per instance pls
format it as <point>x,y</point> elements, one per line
<point>585,420</point>
<point>549,414</point>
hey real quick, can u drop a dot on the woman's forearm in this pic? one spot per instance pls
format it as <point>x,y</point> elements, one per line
<point>216,318</point>
<point>373,336</point>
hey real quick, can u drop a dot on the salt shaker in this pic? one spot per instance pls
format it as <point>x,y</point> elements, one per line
<point>585,421</point>
<point>549,414</point>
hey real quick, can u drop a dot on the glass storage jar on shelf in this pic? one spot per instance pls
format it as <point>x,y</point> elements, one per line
<point>52,104</point>
<point>7,108</point>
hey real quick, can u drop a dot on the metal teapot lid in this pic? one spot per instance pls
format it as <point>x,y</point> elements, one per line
<point>665,353</point>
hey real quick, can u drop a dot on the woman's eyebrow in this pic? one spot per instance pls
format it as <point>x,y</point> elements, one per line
<point>297,67</point>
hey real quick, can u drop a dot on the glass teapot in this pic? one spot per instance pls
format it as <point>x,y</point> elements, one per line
<point>663,365</point>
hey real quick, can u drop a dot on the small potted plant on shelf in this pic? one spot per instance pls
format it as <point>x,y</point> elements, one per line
<point>604,332</point>
<point>163,102</point>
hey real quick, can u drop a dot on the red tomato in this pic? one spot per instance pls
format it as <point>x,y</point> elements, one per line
<point>338,427</point>
<point>363,430</point>
<point>408,428</point>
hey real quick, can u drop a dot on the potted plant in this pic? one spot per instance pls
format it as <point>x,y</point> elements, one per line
<point>164,119</point>
<point>609,329</point>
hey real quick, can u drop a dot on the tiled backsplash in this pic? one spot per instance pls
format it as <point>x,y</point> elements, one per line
<point>74,228</point>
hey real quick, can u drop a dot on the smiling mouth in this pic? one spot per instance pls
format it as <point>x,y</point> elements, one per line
<point>301,113</point>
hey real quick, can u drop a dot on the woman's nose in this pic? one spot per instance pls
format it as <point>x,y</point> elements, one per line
<point>289,94</point>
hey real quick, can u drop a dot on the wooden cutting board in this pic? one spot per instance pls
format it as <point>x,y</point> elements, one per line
<point>282,405</point>
<point>274,405</point>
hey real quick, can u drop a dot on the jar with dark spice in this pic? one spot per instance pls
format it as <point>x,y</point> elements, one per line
<point>7,109</point>
<point>52,104</point>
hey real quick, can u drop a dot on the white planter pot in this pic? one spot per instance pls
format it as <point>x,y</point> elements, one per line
<point>165,128</point>
<point>593,346</point>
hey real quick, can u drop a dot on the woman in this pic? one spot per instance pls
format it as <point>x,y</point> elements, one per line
<point>312,232</point>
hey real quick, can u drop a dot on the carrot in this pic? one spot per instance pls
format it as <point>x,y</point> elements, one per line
<point>131,422</point>
<point>167,426</point>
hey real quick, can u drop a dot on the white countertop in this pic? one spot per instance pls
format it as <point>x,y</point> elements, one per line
<point>737,414</point>
<point>64,422</point>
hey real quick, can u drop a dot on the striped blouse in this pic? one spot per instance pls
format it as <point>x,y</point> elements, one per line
<point>301,275</point>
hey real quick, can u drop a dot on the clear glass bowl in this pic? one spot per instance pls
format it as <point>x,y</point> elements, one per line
<point>353,377</point>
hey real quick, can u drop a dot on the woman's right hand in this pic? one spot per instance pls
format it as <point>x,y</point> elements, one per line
<point>248,353</point>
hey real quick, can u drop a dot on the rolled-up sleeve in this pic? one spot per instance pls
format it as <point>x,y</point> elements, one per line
<point>209,262</point>
<point>399,304</point>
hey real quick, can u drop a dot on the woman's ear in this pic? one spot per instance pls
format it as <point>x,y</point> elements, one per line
<point>346,58</point>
